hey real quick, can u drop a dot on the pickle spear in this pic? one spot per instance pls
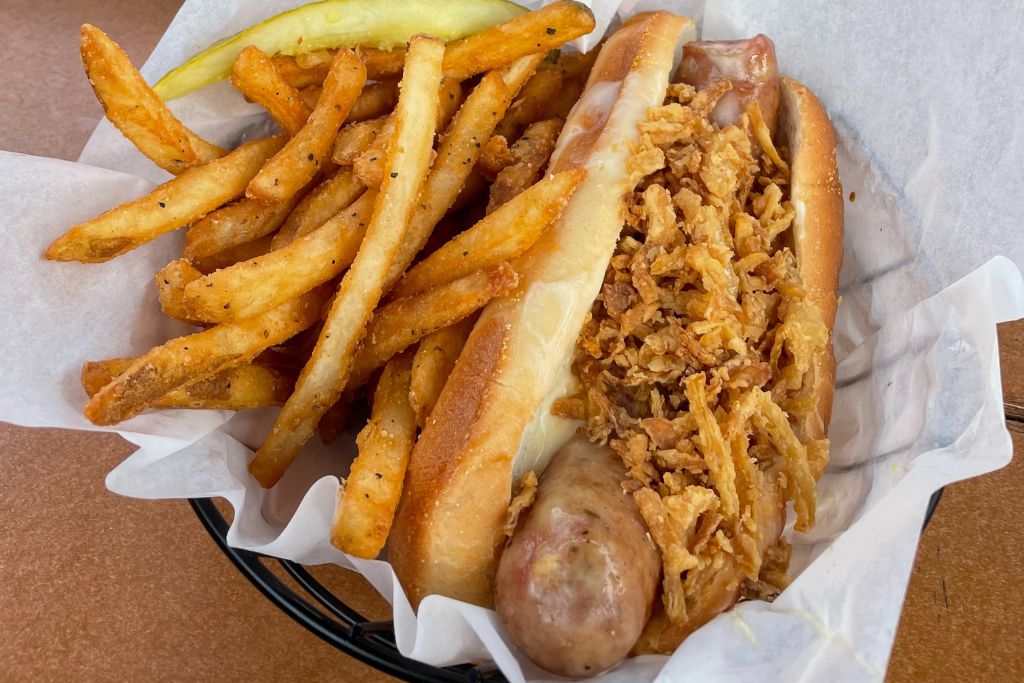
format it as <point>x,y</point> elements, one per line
<point>338,23</point>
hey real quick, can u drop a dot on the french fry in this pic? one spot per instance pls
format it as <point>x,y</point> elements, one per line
<point>184,360</point>
<point>255,76</point>
<point>304,70</point>
<point>453,166</point>
<point>301,157</point>
<point>335,419</point>
<point>494,157</point>
<point>259,284</point>
<point>315,59</point>
<point>236,388</point>
<point>375,100</point>
<point>170,287</point>
<point>477,54</point>
<point>476,187</point>
<point>354,139</point>
<point>565,99</point>
<point>369,166</point>
<point>575,68</point>
<point>517,73</point>
<point>539,31</point>
<point>401,323</point>
<point>532,104</point>
<point>322,379</point>
<point>462,63</point>
<point>435,357</point>
<point>531,153</point>
<point>449,101</point>
<point>316,208</point>
<point>501,236</point>
<point>235,224</point>
<point>381,63</point>
<point>369,497</point>
<point>311,95</point>
<point>233,255</point>
<point>577,65</point>
<point>173,205</point>
<point>137,111</point>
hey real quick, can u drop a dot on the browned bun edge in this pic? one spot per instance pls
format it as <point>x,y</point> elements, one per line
<point>449,523</point>
<point>817,195</point>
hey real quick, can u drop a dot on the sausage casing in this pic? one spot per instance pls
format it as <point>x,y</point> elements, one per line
<point>576,583</point>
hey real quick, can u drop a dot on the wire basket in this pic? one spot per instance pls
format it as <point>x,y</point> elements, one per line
<point>327,616</point>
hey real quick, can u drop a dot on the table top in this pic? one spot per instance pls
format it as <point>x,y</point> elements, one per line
<point>102,587</point>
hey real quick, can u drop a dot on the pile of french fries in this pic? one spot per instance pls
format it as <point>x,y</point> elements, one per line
<point>359,244</point>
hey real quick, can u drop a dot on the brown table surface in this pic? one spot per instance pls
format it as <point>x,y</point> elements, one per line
<point>96,586</point>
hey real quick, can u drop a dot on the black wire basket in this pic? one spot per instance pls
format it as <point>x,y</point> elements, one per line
<point>327,616</point>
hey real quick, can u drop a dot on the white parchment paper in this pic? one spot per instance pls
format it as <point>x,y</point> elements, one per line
<point>921,99</point>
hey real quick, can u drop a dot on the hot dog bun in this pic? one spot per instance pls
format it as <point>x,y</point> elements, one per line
<point>492,422</point>
<point>817,196</point>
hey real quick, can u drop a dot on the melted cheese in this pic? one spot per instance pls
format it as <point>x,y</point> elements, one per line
<point>582,242</point>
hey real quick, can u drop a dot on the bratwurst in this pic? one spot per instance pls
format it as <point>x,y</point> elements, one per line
<point>749,65</point>
<point>575,584</point>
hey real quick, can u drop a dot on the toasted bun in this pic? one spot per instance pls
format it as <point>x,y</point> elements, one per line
<point>492,422</point>
<point>817,196</point>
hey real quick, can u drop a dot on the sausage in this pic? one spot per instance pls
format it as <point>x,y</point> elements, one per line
<point>751,67</point>
<point>576,583</point>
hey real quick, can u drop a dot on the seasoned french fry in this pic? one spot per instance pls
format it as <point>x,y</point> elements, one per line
<point>315,59</point>
<point>170,287</point>
<point>565,99</point>
<point>254,75</point>
<point>137,111</point>
<point>577,65</point>
<point>532,104</point>
<point>184,360</point>
<point>259,284</point>
<point>401,323</point>
<point>322,380</point>
<point>317,207</point>
<point>435,357</point>
<point>475,188</point>
<point>354,139</point>
<point>375,100</point>
<point>388,63</point>
<point>531,153</point>
<point>236,388</point>
<point>311,71</point>
<point>235,224</point>
<point>335,419</point>
<point>300,159</point>
<point>449,100</point>
<point>453,166</point>
<point>173,205</point>
<point>539,31</point>
<point>494,157</point>
<point>369,166</point>
<point>501,236</point>
<point>369,497</point>
<point>520,71</point>
<point>311,95</point>
<point>381,63</point>
<point>233,255</point>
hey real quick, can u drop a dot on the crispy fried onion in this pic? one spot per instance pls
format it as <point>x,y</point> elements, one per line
<point>521,501</point>
<point>697,359</point>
